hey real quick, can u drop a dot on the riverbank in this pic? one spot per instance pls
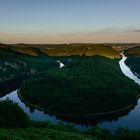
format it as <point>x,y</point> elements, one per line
<point>117,111</point>
<point>9,85</point>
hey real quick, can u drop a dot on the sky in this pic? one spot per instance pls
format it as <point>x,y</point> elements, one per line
<point>69,21</point>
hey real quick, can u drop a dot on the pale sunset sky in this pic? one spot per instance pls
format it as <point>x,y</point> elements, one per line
<point>69,21</point>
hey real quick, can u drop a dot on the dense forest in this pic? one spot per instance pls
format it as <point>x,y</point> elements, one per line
<point>86,85</point>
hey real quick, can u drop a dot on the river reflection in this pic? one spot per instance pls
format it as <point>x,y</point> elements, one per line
<point>111,122</point>
<point>128,118</point>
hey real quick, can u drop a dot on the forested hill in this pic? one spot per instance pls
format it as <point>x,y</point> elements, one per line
<point>133,60</point>
<point>133,51</point>
<point>62,49</point>
<point>86,85</point>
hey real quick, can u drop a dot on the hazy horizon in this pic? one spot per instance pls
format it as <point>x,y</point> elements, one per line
<point>64,21</point>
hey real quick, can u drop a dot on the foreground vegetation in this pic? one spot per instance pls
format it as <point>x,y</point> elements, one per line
<point>86,85</point>
<point>12,116</point>
<point>12,128</point>
<point>32,133</point>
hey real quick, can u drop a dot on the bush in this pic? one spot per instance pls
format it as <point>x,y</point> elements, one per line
<point>11,115</point>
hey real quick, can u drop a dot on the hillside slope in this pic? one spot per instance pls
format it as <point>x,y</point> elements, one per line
<point>133,51</point>
<point>15,62</point>
<point>133,60</point>
<point>83,50</point>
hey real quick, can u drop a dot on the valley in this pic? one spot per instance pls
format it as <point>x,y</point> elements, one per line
<point>85,89</point>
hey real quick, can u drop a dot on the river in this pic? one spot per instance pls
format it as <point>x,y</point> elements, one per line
<point>126,70</point>
<point>128,119</point>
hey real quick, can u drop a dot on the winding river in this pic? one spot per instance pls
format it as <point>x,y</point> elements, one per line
<point>128,119</point>
<point>126,70</point>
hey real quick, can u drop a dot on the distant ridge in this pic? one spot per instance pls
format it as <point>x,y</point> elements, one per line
<point>63,49</point>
